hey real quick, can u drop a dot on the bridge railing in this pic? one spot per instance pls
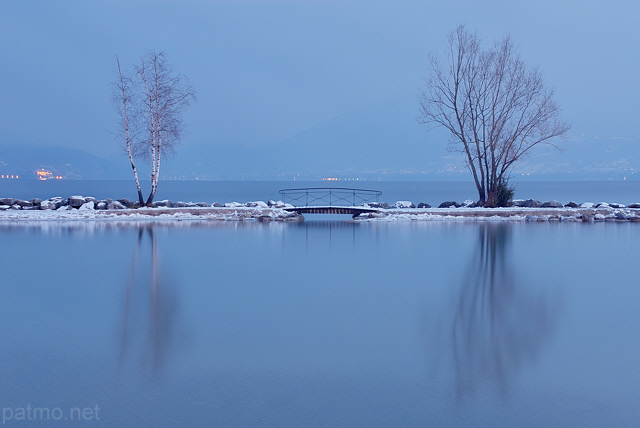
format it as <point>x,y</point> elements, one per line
<point>329,196</point>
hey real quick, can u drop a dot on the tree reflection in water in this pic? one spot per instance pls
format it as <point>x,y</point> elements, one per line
<point>499,323</point>
<point>149,306</point>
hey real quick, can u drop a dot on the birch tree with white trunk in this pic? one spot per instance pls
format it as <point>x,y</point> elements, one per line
<point>165,96</point>
<point>125,102</point>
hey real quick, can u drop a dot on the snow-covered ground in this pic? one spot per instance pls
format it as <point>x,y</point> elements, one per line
<point>261,213</point>
<point>150,214</point>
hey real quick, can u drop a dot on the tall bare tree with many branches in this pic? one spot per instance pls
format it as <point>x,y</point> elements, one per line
<point>495,108</point>
<point>151,106</point>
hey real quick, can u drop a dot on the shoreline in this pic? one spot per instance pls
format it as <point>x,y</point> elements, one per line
<point>81,208</point>
<point>262,214</point>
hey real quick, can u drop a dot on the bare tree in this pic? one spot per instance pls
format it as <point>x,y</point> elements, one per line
<point>495,108</point>
<point>124,101</point>
<point>165,97</point>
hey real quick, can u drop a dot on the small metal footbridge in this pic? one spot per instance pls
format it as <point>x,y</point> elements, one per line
<point>330,200</point>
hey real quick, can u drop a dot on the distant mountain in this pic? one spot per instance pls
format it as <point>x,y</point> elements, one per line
<point>379,142</point>
<point>24,160</point>
<point>384,141</point>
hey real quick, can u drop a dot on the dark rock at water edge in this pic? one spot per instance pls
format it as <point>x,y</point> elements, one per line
<point>529,203</point>
<point>449,204</point>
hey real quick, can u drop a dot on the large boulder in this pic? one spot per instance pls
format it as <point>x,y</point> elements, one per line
<point>423,205</point>
<point>125,202</point>
<point>24,204</point>
<point>449,204</point>
<point>76,201</point>
<point>634,205</point>
<point>56,201</point>
<point>382,205</point>
<point>621,216</point>
<point>8,201</point>
<point>87,206</point>
<point>257,204</point>
<point>587,205</point>
<point>552,204</point>
<point>115,205</point>
<point>571,205</point>
<point>531,203</point>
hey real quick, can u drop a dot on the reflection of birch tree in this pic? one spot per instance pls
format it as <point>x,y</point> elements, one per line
<point>498,324</point>
<point>148,292</point>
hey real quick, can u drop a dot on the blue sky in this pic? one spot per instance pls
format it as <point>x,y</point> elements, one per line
<point>265,71</point>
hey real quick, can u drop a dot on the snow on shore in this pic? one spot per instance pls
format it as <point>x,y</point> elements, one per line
<point>280,214</point>
<point>79,208</point>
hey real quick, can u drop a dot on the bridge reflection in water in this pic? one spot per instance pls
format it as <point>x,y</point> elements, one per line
<point>331,200</point>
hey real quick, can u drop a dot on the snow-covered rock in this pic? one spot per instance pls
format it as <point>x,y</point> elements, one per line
<point>468,203</point>
<point>571,205</point>
<point>257,204</point>
<point>4,207</point>
<point>383,205</point>
<point>587,205</point>
<point>552,204</point>
<point>87,206</point>
<point>76,201</point>
<point>617,205</point>
<point>423,205</point>
<point>233,205</point>
<point>634,205</point>
<point>619,215</point>
<point>599,217</point>
<point>404,204</point>
<point>115,205</point>
<point>8,201</point>
<point>531,203</point>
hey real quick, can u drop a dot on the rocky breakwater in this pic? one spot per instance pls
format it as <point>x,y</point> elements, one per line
<point>258,210</point>
<point>521,210</point>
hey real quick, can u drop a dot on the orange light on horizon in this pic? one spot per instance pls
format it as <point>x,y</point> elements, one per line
<point>44,174</point>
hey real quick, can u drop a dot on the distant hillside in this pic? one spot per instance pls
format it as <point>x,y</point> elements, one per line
<point>384,141</point>
<point>24,160</point>
<point>380,142</point>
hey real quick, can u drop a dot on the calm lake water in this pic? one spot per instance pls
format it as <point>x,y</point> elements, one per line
<point>431,192</point>
<point>321,323</point>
